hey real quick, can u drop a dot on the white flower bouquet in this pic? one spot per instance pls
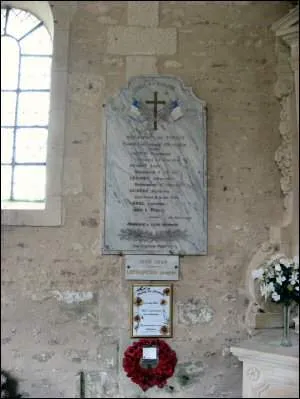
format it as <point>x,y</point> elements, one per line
<point>279,279</point>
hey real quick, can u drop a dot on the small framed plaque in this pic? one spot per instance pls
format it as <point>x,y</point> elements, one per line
<point>150,357</point>
<point>151,310</point>
<point>151,267</point>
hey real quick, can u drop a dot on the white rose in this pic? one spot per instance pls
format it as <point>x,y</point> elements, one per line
<point>275,297</point>
<point>270,287</point>
<point>258,273</point>
<point>277,267</point>
<point>276,257</point>
<point>270,273</point>
<point>280,279</point>
<point>294,278</point>
<point>286,262</point>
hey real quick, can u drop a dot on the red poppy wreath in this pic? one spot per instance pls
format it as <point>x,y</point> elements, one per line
<point>149,377</point>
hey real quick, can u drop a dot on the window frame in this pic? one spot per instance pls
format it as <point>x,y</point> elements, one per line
<point>52,215</point>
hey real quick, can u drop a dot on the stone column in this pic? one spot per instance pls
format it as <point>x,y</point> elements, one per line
<point>295,144</point>
<point>287,29</point>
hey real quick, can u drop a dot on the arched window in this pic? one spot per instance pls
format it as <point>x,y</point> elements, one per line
<point>32,186</point>
<point>26,55</point>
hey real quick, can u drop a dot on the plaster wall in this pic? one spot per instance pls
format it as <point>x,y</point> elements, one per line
<point>65,307</point>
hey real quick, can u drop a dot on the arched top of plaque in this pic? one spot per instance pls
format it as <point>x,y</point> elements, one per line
<point>171,90</point>
<point>155,179</point>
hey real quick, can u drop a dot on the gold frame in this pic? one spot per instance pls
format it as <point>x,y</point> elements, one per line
<point>170,309</point>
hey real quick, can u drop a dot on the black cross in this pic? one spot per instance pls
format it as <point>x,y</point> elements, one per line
<point>155,103</point>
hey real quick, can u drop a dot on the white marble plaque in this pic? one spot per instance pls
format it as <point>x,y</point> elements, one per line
<point>155,194</point>
<point>151,267</point>
<point>151,311</point>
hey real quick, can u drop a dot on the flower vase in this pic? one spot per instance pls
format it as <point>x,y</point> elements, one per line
<point>296,321</point>
<point>286,339</point>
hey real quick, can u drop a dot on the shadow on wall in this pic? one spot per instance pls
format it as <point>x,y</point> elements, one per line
<point>9,386</point>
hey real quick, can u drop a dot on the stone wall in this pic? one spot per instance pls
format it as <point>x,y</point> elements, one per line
<point>65,307</point>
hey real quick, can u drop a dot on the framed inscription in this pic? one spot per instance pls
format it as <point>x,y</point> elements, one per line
<point>151,310</point>
<point>155,170</point>
<point>151,267</point>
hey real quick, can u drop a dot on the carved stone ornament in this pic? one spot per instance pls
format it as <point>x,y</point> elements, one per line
<point>253,373</point>
<point>256,302</point>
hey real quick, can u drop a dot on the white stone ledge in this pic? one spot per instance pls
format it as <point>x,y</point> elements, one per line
<point>51,216</point>
<point>266,345</point>
<point>141,41</point>
<point>269,370</point>
<point>290,362</point>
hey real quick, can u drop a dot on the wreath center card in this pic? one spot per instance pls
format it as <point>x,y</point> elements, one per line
<point>151,310</point>
<point>149,377</point>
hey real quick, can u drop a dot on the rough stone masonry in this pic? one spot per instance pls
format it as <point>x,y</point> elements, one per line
<point>65,307</point>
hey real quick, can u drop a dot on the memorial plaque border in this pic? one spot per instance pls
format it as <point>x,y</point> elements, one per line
<point>106,249</point>
<point>168,286</point>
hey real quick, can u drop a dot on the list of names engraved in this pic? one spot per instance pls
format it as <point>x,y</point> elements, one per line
<point>155,170</point>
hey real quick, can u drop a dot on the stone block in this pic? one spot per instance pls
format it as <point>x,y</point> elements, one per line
<point>98,384</point>
<point>60,50</point>
<point>268,320</point>
<point>59,89</point>
<point>172,64</point>
<point>134,40</point>
<point>194,312</point>
<point>187,372</point>
<point>63,13</point>
<point>43,356</point>
<point>107,356</point>
<point>113,306</point>
<point>140,65</point>
<point>73,182</point>
<point>143,13</point>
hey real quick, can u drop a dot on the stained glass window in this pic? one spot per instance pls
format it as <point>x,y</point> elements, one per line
<point>26,55</point>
